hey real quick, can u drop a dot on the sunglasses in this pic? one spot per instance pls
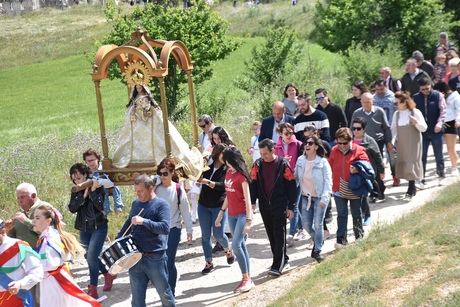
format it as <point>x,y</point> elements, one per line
<point>310,143</point>
<point>164,174</point>
<point>358,128</point>
<point>343,143</point>
<point>319,98</point>
<point>202,126</point>
<point>288,133</point>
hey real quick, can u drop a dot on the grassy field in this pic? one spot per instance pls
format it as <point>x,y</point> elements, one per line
<point>413,262</point>
<point>253,21</point>
<point>50,34</point>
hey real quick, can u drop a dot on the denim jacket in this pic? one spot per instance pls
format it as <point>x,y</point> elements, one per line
<point>322,176</point>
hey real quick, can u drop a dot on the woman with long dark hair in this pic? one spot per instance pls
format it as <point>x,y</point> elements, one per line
<point>238,202</point>
<point>352,104</point>
<point>220,136</point>
<point>210,203</point>
<point>171,190</point>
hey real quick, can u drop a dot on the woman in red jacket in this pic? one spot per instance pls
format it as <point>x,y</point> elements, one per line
<point>340,159</point>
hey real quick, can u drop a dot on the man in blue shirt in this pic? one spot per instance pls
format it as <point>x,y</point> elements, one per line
<point>150,234</point>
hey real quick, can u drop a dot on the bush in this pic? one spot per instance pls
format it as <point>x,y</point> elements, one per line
<point>268,65</point>
<point>364,62</point>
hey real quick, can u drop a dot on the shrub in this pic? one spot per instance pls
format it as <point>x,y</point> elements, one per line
<point>268,65</point>
<point>363,62</point>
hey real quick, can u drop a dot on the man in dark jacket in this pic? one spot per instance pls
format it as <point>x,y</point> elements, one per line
<point>271,123</point>
<point>273,184</point>
<point>409,82</point>
<point>334,113</point>
<point>433,107</point>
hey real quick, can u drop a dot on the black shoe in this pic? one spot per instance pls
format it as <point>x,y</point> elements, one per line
<point>317,256</point>
<point>372,199</point>
<point>230,257</point>
<point>217,248</point>
<point>207,268</point>
<point>229,235</point>
<point>381,197</point>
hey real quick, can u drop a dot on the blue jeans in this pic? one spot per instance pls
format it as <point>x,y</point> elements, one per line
<point>313,219</point>
<point>342,218</point>
<point>93,241</point>
<point>152,267</point>
<point>237,223</point>
<point>173,243</point>
<point>207,217</point>
<point>436,140</point>
<point>117,200</point>
<point>296,222</point>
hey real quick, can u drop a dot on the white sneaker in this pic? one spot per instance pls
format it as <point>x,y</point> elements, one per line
<point>289,240</point>
<point>301,235</point>
<point>454,172</point>
<point>419,185</point>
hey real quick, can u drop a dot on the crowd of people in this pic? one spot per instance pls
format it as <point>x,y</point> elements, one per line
<point>307,155</point>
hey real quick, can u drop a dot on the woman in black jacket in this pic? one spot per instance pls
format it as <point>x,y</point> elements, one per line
<point>88,204</point>
<point>209,205</point>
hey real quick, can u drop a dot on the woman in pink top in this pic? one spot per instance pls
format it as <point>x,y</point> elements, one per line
<point>238,202</point>
<point>288,146</point>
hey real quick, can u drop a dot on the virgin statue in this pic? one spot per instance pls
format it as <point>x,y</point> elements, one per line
<point>141,139</point>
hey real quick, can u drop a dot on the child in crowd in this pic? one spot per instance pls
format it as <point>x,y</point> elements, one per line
<point>253,151</point>
<point>54,246</point>
<point>92,159</point>
<point>440,67</point>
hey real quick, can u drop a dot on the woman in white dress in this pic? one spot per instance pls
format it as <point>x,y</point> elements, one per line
<point>141,139</point>
<point>58,289</point>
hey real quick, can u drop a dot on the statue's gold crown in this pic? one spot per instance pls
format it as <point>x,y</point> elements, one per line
<point>137,73</point>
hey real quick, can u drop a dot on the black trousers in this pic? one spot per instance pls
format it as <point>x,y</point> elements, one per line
<point>275,224</point>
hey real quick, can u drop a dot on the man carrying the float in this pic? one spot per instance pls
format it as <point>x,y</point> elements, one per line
<point>20,270</point>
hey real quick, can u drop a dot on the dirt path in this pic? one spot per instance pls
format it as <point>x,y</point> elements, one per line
<point>215,289</point>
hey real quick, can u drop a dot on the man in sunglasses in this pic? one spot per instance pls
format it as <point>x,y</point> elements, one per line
<point>206,124</point>
<point>433,107</point>
<point>334,113</point>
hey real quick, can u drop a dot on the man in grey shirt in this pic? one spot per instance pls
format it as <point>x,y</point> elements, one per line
<point>377,122</point>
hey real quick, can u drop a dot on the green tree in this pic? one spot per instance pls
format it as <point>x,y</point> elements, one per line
<point>268,64</point>
<point>202,30</point>
<point>414,24</point>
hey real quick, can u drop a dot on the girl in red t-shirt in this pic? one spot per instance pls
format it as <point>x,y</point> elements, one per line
<point>238,202</point>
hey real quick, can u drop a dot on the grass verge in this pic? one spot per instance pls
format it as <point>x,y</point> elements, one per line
<point>413,262</point>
